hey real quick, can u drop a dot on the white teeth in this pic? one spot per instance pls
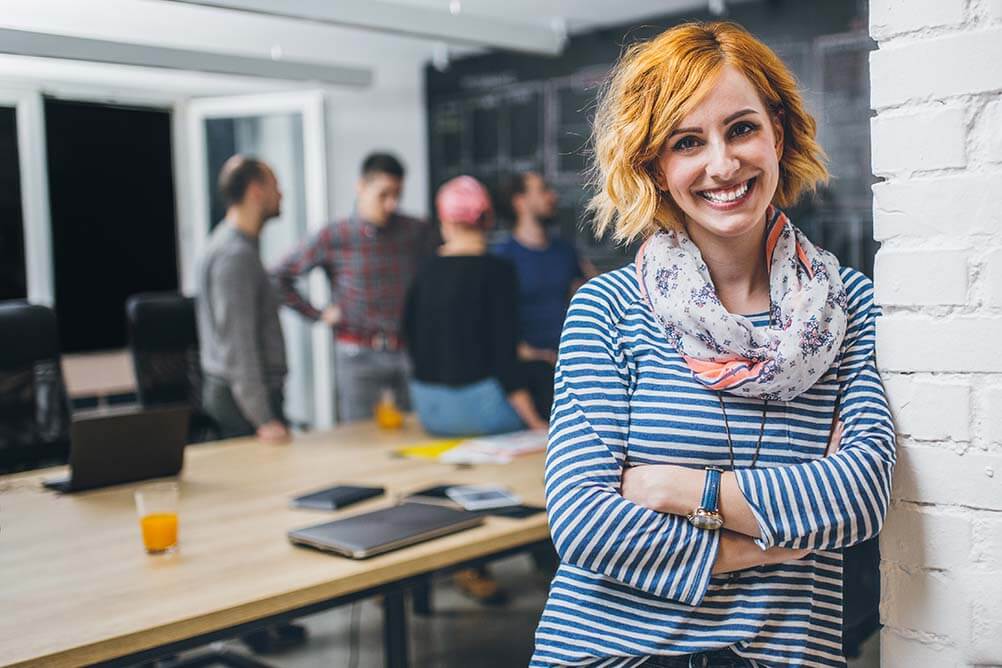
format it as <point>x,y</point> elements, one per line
<point>724,196</point>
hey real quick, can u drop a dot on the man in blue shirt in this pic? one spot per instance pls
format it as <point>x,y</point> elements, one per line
<point>549,272</point>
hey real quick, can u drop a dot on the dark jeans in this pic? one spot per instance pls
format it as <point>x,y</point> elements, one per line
<point>219,404</point>
<point>721,658</point>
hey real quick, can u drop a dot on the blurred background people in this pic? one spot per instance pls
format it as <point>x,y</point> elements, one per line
<point>549,271</point>
<point>369,259</point>
<point>242,348</point>
<point>460,325</point>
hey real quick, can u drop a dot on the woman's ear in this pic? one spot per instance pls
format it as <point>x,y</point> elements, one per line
<point>657,175</point>
<point>778,116</point>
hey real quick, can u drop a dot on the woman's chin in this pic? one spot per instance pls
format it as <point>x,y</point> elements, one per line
<point>727,225</point>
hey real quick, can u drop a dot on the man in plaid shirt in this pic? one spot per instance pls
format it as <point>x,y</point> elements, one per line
<point>369,259</point>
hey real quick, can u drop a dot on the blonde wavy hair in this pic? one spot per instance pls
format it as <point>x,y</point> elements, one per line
<point>652,88</point>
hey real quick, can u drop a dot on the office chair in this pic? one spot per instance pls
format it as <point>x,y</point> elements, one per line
<point>163,339</point>
<point>34,408</point>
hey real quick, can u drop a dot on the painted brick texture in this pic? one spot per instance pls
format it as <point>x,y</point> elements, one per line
<point>936,87</point>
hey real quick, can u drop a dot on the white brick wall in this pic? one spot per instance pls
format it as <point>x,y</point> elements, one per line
<point>910,342</point>
<point>919,142</point>
<point>993,415</point>
<point>909,651</point>
<point>950,207</point>
<point>927,408</point>
<point>960,63</point>
<point>993,273</point>
<point>921,277</point>
<point>899,16</point>
<point>993,10</point>
<point>936,87</point>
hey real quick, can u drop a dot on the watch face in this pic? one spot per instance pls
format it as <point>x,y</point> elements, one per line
<point>702,519</point>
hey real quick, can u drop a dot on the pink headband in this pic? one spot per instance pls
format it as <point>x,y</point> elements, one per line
<point>464,200</point>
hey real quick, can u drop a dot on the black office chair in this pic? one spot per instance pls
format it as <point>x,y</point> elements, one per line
<point>34,408</point>
<point>163,339</point>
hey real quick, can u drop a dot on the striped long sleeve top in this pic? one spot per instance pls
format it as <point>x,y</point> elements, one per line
<point>634,582</point>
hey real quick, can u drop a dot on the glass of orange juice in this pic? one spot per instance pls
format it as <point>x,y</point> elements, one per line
<point>156,505</point>
<point>387,415</point>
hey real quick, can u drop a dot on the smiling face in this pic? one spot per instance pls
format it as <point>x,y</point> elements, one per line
<point>721,166</point>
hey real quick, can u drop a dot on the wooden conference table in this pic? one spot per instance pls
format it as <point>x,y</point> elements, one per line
<point>76,586</point>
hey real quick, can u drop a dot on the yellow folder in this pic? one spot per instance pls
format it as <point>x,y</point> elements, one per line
<point>428,450</point>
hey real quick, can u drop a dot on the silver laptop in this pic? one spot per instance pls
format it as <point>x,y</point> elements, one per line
<point>124,446</point>
<point>380,531</point>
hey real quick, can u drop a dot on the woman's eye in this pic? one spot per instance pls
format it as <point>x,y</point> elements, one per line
<point>685,143</point>
<point>743,128</point>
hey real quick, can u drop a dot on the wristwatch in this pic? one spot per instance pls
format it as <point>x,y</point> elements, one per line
<point>707,515</point>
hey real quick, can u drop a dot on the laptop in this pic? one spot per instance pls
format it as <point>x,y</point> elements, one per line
<point>372,533</point>
<point>124,446</point>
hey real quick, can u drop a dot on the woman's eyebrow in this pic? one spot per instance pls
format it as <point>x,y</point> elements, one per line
<point>735,115</point>
<point>739,114</point>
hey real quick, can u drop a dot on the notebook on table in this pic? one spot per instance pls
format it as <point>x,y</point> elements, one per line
<point>115,447</point>
<point>368,534</point>
<point>336,498</point>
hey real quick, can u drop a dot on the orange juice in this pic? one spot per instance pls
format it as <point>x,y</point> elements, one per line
<point>387,415</point>
<point>159,531</point>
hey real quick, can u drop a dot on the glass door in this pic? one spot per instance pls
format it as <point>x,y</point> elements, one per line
<point>286,130</point>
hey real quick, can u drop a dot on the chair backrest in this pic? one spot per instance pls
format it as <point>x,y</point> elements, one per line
<point>164,341</point>
<point>163,338</point>
<point>34,407</point>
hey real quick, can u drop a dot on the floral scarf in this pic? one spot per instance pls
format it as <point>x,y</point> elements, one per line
<point>725,351</point>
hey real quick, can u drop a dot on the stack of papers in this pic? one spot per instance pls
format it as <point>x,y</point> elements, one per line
<point>495,449</point>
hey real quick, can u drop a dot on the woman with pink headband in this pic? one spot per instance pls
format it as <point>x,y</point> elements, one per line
<point>460,327</point>
<point>460,323</point>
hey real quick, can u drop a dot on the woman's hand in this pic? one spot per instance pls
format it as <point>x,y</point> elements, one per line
<point>527,353</point>
<point>521,401</point>
<point>738,552</point>
<point>538,424</point>
<point>331,315</point>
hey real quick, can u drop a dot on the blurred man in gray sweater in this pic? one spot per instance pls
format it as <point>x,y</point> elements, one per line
<point>242,349</point>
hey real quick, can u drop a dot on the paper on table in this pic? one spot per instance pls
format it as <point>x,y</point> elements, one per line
<point>499,449</point>
<point>429,450</point>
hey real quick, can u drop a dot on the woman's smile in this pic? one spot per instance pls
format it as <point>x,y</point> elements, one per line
<point>729,197</point>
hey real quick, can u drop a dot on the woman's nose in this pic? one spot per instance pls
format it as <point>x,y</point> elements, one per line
<point>722,165</point>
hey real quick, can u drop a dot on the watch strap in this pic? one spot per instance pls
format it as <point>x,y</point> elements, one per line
<point>711,490</point>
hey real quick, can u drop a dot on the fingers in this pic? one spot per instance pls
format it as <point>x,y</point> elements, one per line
<point>274,433</point>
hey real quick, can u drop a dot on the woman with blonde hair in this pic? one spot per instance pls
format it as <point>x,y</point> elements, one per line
<point>719,429</point>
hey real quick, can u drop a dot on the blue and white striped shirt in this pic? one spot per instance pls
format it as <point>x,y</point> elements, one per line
<point>634,582</point>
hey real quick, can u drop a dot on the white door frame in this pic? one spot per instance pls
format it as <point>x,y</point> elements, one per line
<point>35,214</point>
<point>194,197</point>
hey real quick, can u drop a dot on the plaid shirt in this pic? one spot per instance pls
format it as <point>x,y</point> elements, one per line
<point>369,269</point>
